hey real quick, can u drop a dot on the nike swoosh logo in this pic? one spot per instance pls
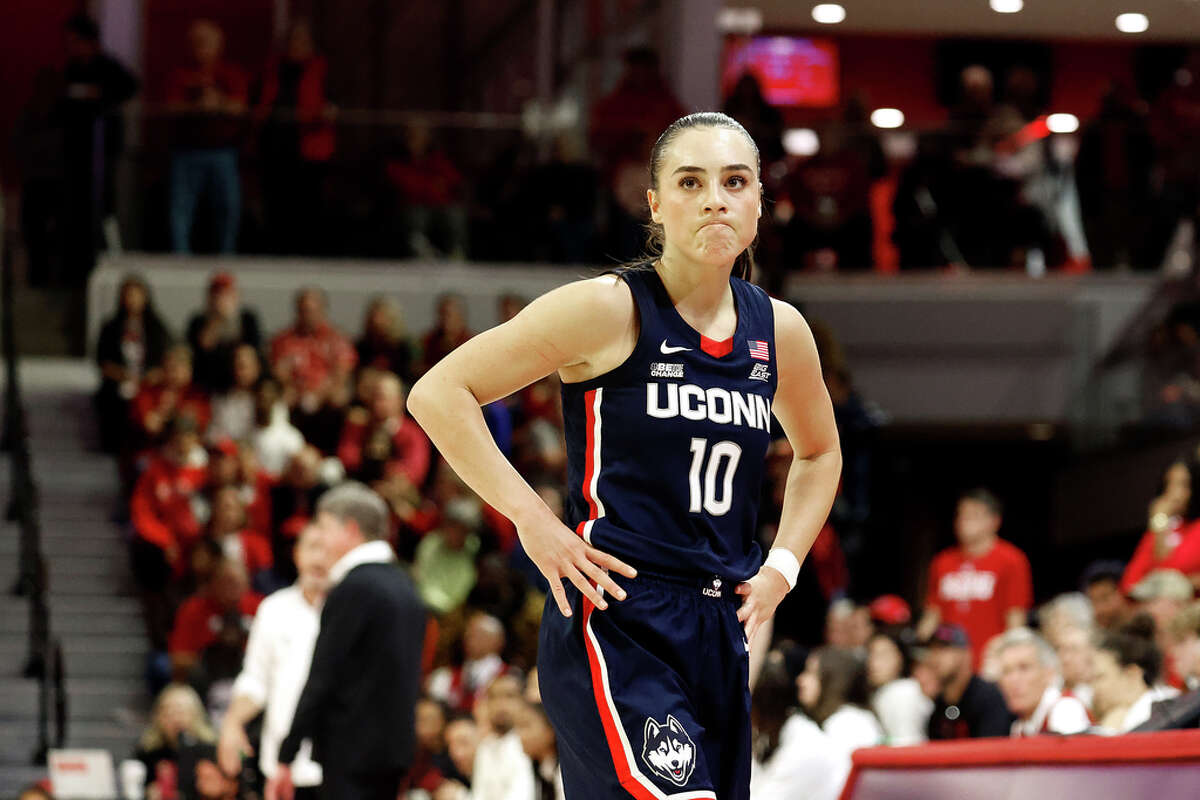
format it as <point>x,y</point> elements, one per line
<point>667,350</point>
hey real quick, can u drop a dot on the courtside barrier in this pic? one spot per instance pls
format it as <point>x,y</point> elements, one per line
<point>1136,766</point>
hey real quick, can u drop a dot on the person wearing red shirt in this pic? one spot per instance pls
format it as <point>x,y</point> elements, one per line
<point>164,524</point>
<point>448,332</point>
<point>207,99</point>
<point>983,584</point>
<point>429,188</point>
<point>381,442</point>
<point>230,531</point>
<point>218,615</point>
<point>1172,537</point>
<point>156,404</point>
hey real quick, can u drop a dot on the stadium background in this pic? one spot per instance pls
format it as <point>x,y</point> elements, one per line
<point>1003,287</point>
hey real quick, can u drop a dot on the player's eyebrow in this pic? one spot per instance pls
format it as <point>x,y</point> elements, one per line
<point>727,168</point>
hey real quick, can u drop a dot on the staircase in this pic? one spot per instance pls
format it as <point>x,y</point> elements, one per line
<point>94,610</point>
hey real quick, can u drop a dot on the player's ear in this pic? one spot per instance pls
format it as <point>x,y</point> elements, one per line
<point>652,201</point>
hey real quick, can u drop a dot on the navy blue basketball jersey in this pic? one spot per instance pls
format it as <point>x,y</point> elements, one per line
<point>666,452</point>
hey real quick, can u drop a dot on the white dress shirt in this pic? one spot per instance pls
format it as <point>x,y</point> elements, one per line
<point>275,669</point>
<point>807,763</point>
<point>375,551</point>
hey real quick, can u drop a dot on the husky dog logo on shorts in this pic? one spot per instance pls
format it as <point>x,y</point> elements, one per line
<point>669,751</point>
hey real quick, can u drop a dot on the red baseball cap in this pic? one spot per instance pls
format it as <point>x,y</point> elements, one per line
<point>890,609</point>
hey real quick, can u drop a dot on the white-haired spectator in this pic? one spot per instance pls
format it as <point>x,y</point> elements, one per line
<point>1075,653</point>
<point>1064,612</point>
<point>1029,677</point>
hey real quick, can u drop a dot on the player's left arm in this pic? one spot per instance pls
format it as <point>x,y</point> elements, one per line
<point>805,413</point>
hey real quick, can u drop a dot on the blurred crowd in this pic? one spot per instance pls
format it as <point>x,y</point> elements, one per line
<point>226,435</point>
<point>258,158</point>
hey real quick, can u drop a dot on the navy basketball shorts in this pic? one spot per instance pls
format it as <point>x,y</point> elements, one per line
<point>649,698</point>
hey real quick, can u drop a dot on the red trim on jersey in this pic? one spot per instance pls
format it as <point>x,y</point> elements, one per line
<point>589,461</point>
<point>715,348</point>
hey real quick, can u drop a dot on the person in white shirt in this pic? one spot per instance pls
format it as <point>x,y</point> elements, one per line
<point>275,669</point>
<point>1125,676</point>
<point>793,757</point>
<point>502,771</point>
<point>833,691</point>
<point>233,410</point>
<point>541,745</point>
<point>897,700</point>
<point>1030,680</point>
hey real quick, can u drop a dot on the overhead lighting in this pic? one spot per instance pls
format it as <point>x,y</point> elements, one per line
<point>1132,23</point>
<point>828,13</point>
<point>1062,123</point>
<point>801,142</point>
<point>745,21</point>
<point>1006,6</point>
<point>887,118</point>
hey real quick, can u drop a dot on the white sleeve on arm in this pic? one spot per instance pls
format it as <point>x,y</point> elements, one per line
<point>254,681</point>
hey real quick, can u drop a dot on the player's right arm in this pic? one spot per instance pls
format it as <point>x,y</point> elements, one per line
<point>581,330</point>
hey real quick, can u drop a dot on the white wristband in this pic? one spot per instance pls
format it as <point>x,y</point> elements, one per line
<point>785,561</point>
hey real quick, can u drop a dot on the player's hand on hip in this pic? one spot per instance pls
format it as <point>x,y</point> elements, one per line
<point>559,553</point>
<point>760,597</point>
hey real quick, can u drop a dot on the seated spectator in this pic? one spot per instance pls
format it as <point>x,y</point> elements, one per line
<point>445,560</point>
<point>461,687</point>
<point>1161,595</point>
<point>130,349</point>
<point>384,343</point>
<point>156,404</point>
<point>177,720</point>
<point>217,331</point>
<point>1029,678</point>
<point>293,501</point>
<point>211,628</point>
<point>1074,648</point>
<point>965,704</point>
<point>897,700</point>
<point>430,758</point>
<point>983,583</point>
<point>1172,538</point>
<point>228,528</point>
<point>381,442</point>
<point>235,466</point>
<point>501,768</point>
<point>275,440</point>
<point>1066,611</point>
<point>1101,582</point>
<point>234,408</point>
<point>538,448</point>
<point>790,750</point>
<point>462,744</point>
<point>207,98</point>
<point>1184,629</point>
<point>312,360</point>
<point>278,653</point>
<point>428,185</point>
<point>540,745</point>
<point>164,523</point>
<point>833,691</point>
<point>1125,676</point>
<point>847,625</point>
<point>448,332</point>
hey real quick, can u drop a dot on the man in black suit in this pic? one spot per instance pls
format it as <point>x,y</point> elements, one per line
<point>358,704</point>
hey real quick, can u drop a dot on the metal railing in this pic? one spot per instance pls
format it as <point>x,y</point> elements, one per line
<point>45,659</point>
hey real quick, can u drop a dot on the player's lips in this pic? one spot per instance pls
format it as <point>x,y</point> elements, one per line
<point>716,222</point>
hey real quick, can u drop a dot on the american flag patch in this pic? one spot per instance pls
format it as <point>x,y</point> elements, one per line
<point>758,349</point>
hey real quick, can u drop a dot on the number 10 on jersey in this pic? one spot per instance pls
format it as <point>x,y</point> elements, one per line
<point>722,460</point>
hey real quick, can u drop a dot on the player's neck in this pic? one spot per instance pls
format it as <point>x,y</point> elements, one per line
<point>698,291</point>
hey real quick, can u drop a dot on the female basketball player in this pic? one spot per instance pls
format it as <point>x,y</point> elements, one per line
<point>671,372</point>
